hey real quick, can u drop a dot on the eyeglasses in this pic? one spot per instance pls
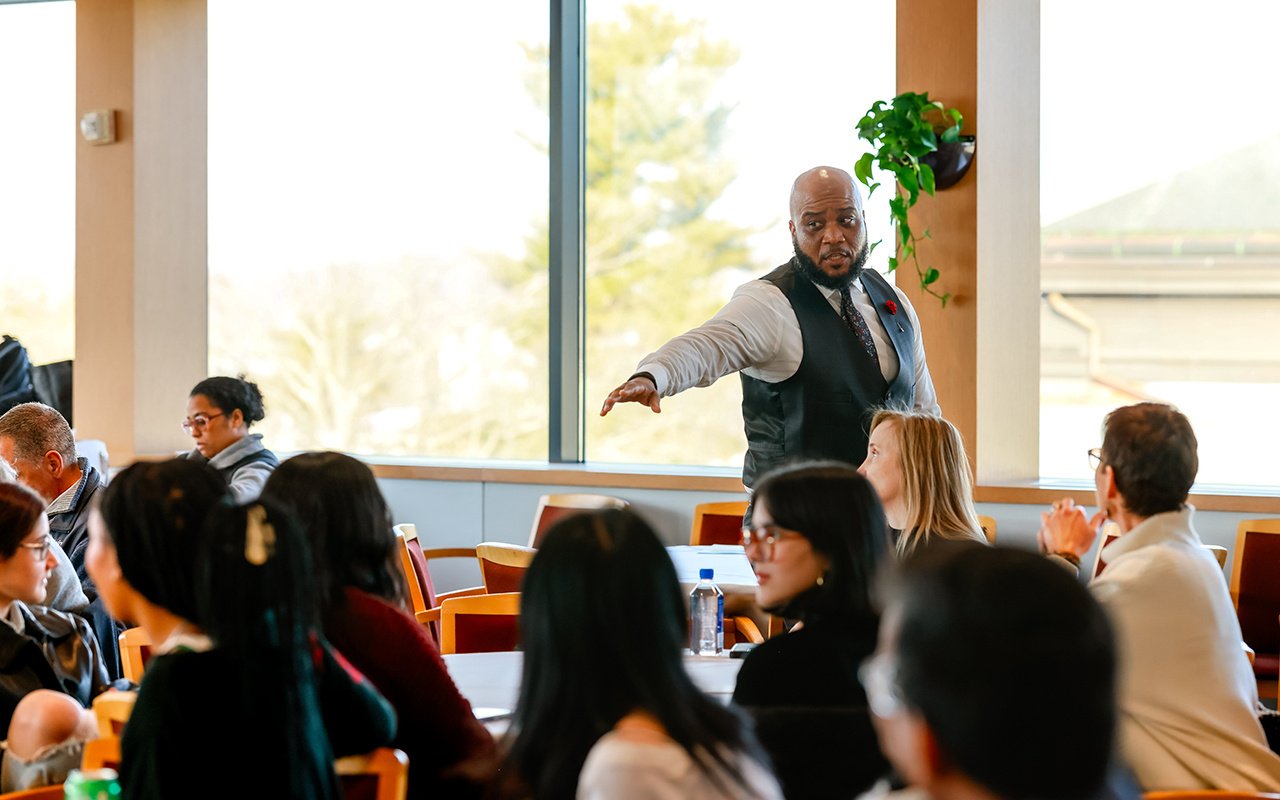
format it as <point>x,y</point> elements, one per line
<point>39,549</point>
<point>764,537</point>
<point>879,677</point>
<point>1095,458</point>
<point>199,422</point>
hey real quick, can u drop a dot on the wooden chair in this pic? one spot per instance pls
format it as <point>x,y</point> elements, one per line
<point>135,651</point>
<point>717,523</point>
<point>1110,532</point>
<point>1256,591</point>
<point>1208,794</point>
<point>388,768</point>
<point>554,507</point>
<point>502,566</point>
<point>380,775</point>
<point>101,753</point>
<point>741,629</point>
<point>424,602</point>
<point>112,709</point>
<point>988,527</point>
<point>54,792</point>
<point>1220,553</point>
<point>481,624</point>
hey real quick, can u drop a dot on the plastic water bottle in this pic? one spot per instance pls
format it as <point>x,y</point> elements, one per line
<point>706,616</point>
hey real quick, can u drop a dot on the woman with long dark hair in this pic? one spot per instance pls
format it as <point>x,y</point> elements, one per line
<point>220,411</point>
<point>238,677</point>
<point>816,540</point>
<point>606,709</point>
<point>361,590</point>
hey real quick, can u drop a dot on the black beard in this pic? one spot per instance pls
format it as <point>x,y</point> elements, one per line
<point>811,271</point>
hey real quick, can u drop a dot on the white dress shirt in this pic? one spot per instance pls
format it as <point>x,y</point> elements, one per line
<point>757,333</point>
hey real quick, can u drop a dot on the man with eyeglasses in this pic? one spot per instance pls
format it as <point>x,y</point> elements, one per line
<point>37,442</point>
<point>995,677</point>
<point>1191,716</point>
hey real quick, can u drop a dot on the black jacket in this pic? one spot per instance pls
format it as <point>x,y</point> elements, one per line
<point>56,651</point>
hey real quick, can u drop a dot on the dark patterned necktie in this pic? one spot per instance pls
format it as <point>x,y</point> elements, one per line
<point>856,323</point>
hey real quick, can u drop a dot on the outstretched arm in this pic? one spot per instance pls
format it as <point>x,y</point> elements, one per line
<point>751,331</point>
<point>637,389</point>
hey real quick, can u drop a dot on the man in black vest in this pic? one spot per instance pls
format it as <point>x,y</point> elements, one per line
<point>818,341</point>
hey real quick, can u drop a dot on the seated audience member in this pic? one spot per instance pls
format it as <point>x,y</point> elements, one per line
<point>40,649</point>
<point>1188,699</point>
<point>994,678</point>
<point>219,413</point>
<point>817,538</point>
<point>918,466</point>
<point>361,590</point>
<point>606,709</point>
<point>64,590</point>
<point>237,676</point>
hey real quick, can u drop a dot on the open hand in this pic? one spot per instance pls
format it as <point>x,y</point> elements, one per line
<point>637,390</point>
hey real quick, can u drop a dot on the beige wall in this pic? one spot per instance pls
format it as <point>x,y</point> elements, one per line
<point>141,239</point>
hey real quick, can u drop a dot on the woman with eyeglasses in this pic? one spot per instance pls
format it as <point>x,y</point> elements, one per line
<point>219,413</point>
<point>816,540</point>
<point>50,664</point>
<point>918,466</point>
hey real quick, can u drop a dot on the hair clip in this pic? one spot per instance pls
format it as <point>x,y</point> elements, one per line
<point>259,537</point>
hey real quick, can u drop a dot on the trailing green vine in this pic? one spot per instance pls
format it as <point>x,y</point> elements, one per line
<point>901,132</point>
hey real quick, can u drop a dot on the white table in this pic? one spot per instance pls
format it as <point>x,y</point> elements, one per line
<point>733,571</point>
<point>492,680</point>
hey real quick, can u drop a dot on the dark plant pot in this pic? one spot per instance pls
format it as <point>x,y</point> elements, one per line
<point>950,161</point>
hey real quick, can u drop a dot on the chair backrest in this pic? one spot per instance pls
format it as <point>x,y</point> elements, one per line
<point>554,507</point>
<point>1220,553</point>
<point>717,523</point>
<point>1110,532</point>
<point>380,775</point>
<point>486,623</point>
<point>1254,586</point>
<point>421,593</point>
<point>1208,794</point>
<point>55,792</point>
<point>502,566</point>
<point>988,527</point>
<point>112,709</point>
<point>135,651</point>
<point>101,753</point>
<point>740,630</point>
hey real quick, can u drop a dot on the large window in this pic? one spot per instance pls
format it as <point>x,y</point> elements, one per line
<point>1160,162</point>
<point>377,218</point>
<point>699,115</point>
<point>37,177</point>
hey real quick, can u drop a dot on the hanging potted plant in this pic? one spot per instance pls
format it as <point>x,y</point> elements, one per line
<point>919,142</point>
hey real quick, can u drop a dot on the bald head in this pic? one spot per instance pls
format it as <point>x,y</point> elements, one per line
<point>823,182</point>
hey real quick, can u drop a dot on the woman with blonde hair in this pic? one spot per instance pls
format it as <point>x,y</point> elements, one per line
<point>917,464</point>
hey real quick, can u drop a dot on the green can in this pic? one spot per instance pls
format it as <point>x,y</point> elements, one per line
<point>94,784</point>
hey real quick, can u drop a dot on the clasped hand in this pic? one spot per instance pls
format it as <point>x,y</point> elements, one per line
<point>1064,529</point>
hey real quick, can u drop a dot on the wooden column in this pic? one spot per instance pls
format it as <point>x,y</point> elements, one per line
<point>937,52</point>
<point>141,242</point>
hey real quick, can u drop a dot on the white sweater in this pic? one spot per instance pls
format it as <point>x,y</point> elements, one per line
<point>1188,698</point>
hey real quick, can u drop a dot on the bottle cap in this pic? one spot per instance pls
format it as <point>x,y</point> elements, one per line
<point>706,574</point>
